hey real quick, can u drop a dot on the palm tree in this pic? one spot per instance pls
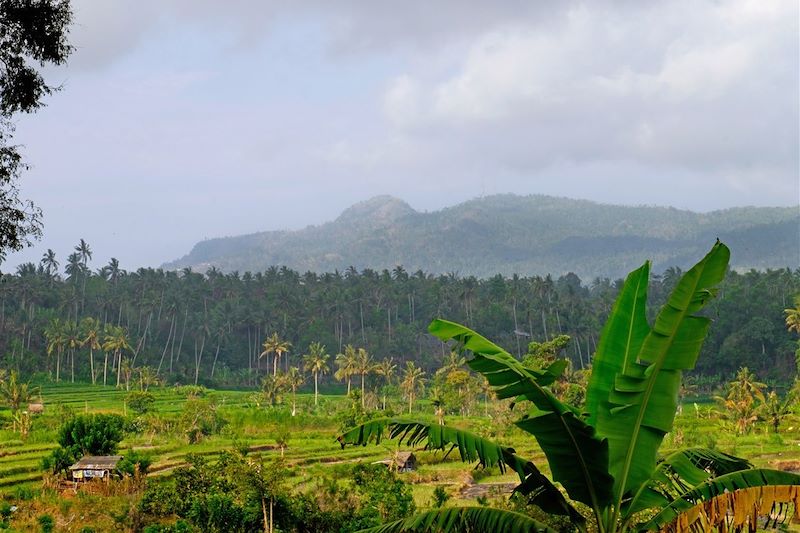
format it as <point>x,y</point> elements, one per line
<point>84,252</point>
<point>452,362</point>
<point>72,341</point>
<point>413,382</point>
<point>116,341</point>
<point>438,401</point>
<point>346,363</point>
<point>364,365</point>
<point>54,333</point>
<point>275,345</point>
<point>316,362</point>
<point>90,333</point>
<point>386,368</point>
<point>294,379</point>
<point>16,394</point>
<point>775,409</point>
<point>147,377</point>
<point>50,264</point>
<point>793,316</point>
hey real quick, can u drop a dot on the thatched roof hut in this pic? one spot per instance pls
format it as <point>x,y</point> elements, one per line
<point>400,462</point>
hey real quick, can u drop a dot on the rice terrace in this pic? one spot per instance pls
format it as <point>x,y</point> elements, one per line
<point>429,267</point>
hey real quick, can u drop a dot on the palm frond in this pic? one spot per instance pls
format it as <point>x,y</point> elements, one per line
<point>459,519</point>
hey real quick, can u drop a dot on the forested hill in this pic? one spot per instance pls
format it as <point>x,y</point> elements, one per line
<point>510,234</point>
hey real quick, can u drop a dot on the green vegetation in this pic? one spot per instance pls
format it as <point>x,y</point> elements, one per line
<point>510,234</point>
<point>224,331</point>
<point>262,456</point>
<point>608,459</point>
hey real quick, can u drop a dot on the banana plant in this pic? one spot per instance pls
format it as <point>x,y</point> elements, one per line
<point>606,457</point>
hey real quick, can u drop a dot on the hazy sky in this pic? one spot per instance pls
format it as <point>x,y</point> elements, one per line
<point>186,119</point>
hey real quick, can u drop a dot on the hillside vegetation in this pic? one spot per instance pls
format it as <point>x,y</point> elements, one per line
<point>511,234</point>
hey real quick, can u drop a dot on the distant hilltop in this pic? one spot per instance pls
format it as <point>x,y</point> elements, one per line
<point>510,234</point>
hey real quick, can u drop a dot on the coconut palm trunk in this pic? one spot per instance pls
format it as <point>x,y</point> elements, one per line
<point>316,391</point>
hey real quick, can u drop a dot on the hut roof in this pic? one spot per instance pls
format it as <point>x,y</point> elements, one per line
<point>97,462</point>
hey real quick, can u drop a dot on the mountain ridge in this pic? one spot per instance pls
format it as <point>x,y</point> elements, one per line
<point>508,234</point>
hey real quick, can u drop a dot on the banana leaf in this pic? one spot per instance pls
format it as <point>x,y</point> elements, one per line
<point>679,472</point>
<point>643,396</point>
<point>722,486</point>
<point>459,519</point>
<point>578,458</point>
<point>472,448</point>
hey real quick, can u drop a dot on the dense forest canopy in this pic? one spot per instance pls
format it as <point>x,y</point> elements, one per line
<point>211,327</point>
<point>508,234</point>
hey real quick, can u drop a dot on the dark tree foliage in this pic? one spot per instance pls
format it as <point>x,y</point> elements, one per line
<point>94,434</point>
<point>33,34</point>
<point>218,322</point>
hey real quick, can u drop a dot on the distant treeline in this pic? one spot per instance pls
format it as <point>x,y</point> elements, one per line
<point>213,325</point>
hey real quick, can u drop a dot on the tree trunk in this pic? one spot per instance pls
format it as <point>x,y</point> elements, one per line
<point>118,356</point>
<point>315,388</point>
<point>216,355</point>
<point>91,363</point>
<point>362,389</point>
<point>105,368</point>
<point>264,512</point>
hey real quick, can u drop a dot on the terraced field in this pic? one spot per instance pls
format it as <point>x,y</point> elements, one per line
<point>312,448</point>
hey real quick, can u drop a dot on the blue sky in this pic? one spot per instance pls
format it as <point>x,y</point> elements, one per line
<point>181,120</point>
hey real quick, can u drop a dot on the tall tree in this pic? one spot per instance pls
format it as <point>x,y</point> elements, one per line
<point>276,346</point>
<point>294,379</point>
<point>316,362</point>
<point>413,382</point>
<point>364,366</point>
<point>346,364</point>
<point>54,333</point>
<point>116,342</point>
<point>33,35</point>
<point>90,335</point>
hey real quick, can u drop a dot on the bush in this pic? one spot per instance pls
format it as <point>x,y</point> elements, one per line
<point>159,500</point>
<point>132,458</point>
<point>200,418</point>
<point>140,402</point>
<point>95,434</point>
<point>46,523</point>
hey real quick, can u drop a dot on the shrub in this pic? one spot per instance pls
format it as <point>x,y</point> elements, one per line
<point>140,402</point>
<point>46,523</point>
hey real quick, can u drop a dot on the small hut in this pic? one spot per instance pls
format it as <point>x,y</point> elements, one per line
<point>94,467</point>
<point>400,462</point>
<point>36,408</point>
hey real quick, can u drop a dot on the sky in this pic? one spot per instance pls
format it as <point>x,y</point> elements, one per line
<point>180,120</point>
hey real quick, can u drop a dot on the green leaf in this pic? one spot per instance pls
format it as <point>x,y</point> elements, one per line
<point>620,341</point>
<point>578,458</point>
<point>679,472</point>
<point>744,479</point>
<point>644,394</point>
<point>458,519</point>
<point>472,448</point>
